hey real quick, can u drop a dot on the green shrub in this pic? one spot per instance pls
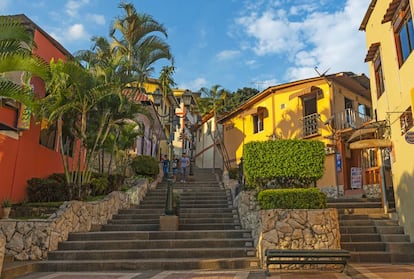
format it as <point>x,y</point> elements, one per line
<point>310,198</point>
<point>234,173</point>
<point>46,190</point>
<point>98,186</point>
<point>290,163</point>
<point>145,165</point>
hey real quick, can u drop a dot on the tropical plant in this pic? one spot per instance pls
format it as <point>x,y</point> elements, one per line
<point>74,94</point>
<point>138,43</point>
<point>16,55</point>
<point>6,203</point>
<point>213,99</point>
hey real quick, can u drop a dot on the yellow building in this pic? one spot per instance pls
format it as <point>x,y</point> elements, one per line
<point>327,108</point>
<point>388,25</point>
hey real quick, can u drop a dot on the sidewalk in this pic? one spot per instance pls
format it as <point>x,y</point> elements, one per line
<point>354,271</point>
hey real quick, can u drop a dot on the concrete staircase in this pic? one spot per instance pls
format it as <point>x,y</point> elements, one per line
<point>209,235</point>
<point>371,235</point>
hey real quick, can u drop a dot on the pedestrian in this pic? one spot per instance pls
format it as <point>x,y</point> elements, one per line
<point>165,165</point>
<point>185,162</point>
<point>175,163</point>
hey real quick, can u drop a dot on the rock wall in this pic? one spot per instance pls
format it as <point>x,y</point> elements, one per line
<point>32,239</point>
<point>288,228</point>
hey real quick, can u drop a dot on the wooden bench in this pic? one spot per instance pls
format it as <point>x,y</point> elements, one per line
<point>306,256</point>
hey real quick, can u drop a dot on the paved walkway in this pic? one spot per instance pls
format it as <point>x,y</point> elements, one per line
<point>354,271</point>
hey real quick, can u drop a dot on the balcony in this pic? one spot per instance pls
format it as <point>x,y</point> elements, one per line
<point>349,118</point>
<point>310,125</point>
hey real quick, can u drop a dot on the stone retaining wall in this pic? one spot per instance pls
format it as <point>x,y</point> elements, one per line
<point>288,228</point>
<point>32,239</point>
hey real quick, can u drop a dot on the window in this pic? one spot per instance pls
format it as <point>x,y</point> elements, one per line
<point>310,115</point>
<point>406,121</point>
<point>379,77</point>
<point>258,120</point>
<point>404,33</point>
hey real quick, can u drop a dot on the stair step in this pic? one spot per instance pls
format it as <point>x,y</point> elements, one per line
<point>363,246</point>
<point>151,264</point>
<point>159,244</point>
<point>178,253</point>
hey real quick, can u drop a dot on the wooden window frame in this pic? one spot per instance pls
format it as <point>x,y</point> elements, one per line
<point>403,22</point>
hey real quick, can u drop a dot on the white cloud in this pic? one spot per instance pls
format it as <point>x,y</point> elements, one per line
<point>307,36</point>
<point>98,19</point>
<point>77,31</point>
<point>227,54</point>
<point>272,32</point>
<point>195,84</point>
<point>72,6</point>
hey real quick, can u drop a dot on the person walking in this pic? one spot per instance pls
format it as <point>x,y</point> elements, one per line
<point>165,165</point>
<point>185,162</point>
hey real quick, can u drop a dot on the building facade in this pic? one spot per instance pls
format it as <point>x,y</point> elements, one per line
<point>26,148</point>
<point>327,108</point>
<point>389,30</point>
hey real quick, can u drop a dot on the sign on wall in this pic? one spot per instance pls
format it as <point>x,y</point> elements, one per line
<point>356,178</point>
<point>409,137</point>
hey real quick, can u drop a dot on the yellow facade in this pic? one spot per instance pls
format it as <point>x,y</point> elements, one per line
<point>381,25</point>
<point>283,109</point>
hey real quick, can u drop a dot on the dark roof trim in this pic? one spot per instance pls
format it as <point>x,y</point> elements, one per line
<point>367,15</point>
<point>392,9</point>
<point>371,52</point>
<point>27,21</point>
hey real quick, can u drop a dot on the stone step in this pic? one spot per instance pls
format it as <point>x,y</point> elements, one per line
<point>359,211</point>
<point>363,246</point>
<point>363,237</point>
<point>178,253</point>
<point>182,215</point>
<point>368,222</point>
<point>182,210</point>
<point>151,264</point>
<point>379,216</point>
<point>157,235</point>
<point>17,269</point>
<point>158,244</point>
<point>182,220</point>
<point>351,204</point>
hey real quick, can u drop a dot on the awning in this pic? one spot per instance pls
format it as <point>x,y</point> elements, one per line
<point>361,133</point>
<point>307,91</point>
<point>372,51</point>
<point>255,110</point>
<point>392,8</point>
<point>370,143</point>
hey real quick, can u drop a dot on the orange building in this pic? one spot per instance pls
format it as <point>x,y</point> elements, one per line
<point>26,149</point>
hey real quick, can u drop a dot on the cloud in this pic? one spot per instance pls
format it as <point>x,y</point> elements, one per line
<point>227,54</point>
<point>272,32</point>
<point>98,19</point>
<point>306,35</point>
<point>195,84</point>
<point>72,6</point>
<point>77,31</point>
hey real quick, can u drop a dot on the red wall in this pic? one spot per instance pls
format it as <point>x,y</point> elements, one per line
<point>21,156</point>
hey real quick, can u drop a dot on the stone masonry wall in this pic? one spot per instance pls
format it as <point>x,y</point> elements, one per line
<point>288,228</point>
<point>32,239</point>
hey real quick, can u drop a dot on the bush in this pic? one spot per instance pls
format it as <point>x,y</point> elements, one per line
<point>290,163</point>
<point>46,190</point>
<point>310,198</point>
<point>234,173</point>
<point>145,165</point>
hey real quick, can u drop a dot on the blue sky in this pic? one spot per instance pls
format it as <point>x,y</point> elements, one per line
<point>232,43</point>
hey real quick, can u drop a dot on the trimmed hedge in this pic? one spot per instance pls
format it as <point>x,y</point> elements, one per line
<point>145,165</point>
<point>299,198</point>
<point>291,163</point>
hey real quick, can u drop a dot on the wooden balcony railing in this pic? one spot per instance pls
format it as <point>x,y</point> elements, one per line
<point>349,118</point>
<point>310,125</point>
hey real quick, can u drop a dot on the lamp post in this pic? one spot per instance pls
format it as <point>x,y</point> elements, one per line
<point>157,99</point>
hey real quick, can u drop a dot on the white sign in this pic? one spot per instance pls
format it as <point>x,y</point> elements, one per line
<point>356,177</point>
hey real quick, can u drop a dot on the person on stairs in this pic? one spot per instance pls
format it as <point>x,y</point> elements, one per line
<point>185,162</point>
<point>165,165</point>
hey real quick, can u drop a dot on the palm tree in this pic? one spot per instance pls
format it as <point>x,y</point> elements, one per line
<point>213,99</point>
<point>74,94</point>
<point>16,45</point>
<point>138,44</point>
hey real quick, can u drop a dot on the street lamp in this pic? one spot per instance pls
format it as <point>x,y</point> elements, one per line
<point>157,100</point>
